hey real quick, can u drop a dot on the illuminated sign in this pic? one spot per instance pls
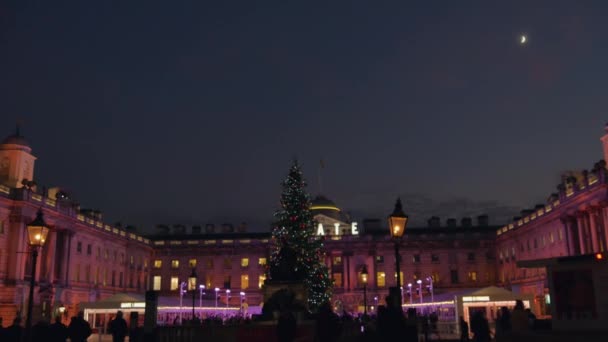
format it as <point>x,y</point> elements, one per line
<point>133,305</point>
<point>337,231</point>
<point>476,299</point>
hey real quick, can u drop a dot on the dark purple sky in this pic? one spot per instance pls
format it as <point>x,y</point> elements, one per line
<point>157,112</point>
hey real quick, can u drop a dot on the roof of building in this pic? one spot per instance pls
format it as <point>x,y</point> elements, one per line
<point>325,206</point>
<point>16,139</point>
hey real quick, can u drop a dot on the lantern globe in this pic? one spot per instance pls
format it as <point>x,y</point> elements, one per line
<point>37,231</point>
<point>397,221</point>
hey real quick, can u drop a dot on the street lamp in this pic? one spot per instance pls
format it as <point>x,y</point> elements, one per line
<point>217,289</point>
<point>430,280</point>
<point>182,290</point>
<point>242,303</point>
<point>397,222</point>
<point>201,289</point>
<point>227,299</point>
<point>37,232</point>
<point>409,286</point>
<point>364,275</point>
<point>419,282</point>
<point>192,287</point>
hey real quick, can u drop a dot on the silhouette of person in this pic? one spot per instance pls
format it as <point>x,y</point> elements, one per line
<point>79,329</point>
<point>480,327</point>
<point>40,331</point>
<point>118,328</point>
<point>464,330</point>
<point>328,324</point>
<point>58,332</point>
<point>14,333</point>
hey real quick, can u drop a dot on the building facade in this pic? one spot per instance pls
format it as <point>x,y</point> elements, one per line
<point>86,260</point>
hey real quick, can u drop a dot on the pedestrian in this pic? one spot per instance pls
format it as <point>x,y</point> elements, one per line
<point>480,327</point>
<point>519,317</point>
<point>134,330</point>
<point>40,331</point>
<point>14,333</point>
<point>328,324</point>
<point>464,330</point>
<point>118,328</point>
<point>79,329</point>
<point>58,332</point>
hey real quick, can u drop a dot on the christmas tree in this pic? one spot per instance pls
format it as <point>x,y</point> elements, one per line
<point>293,237</point>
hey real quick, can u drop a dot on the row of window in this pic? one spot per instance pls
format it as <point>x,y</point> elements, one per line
<point>416,258</point>
<point>158,263</point>
<point>114,255</point>
<point>381,278</point>
<point>174,282</point>
<point>103,276</point>
<point>531,244</point>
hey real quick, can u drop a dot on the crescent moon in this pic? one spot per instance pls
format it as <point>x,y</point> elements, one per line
<point>523,39</point>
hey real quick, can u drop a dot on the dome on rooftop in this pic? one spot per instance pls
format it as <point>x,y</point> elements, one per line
<point>16,139</point>
<point>325,206</point>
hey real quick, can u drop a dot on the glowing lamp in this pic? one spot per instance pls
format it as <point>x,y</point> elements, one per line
<point>397,221</point>
<point>192,279</point>
<point>37,231</point>
<point>364,275</point>
<point>599,256</point>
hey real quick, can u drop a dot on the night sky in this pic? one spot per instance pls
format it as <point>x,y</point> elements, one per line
<point>158,112</point>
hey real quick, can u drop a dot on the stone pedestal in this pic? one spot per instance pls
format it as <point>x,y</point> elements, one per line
<point>288,295</point>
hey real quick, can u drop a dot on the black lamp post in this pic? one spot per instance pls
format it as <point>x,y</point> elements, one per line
<point>364,275</point>
<point>192,287</point>
<point>397,222</point>
<point>37,232</point>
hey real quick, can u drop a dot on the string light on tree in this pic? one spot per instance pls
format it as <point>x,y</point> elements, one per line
<point>294,228</point>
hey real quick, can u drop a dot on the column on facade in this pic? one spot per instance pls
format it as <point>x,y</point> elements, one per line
<point>603,214</point>
<point>592,214</point>
<point>346,272</point>
<point>65,260</point>
<point>47,258</point>
<point>18,248</point>
<point>581,233</point>
<point>569,238</point>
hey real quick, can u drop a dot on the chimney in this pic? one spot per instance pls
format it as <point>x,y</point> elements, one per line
<point>179,229</point>
<point>434,222</point>
<point>451,222</point>
<point>209,228</point>
<point>466,222</point>
<point>242,228</point>
<point>227,228</point>
<point>604,140</point>
<point>196,229</point>
<point>483,220</point>
<point>163,229</point>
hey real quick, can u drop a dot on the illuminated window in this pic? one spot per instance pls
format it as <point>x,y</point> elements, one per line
<point>105,276</point>
<point>435,276</point>
<point>174,263</point>
<point>158,263</point>
<point>337,279</point>
<point>192,263</point>
<point>337,261</point>
<point>381,279</point>
<point>561,235</point>
<point>244,281</point>
<point>473,276</point>
<point>155,283</point>
<point>131,260</point>
<point>208,281</point>
<point>245,262</point>
<point>209,263</point>
<point>227,263</point>
<point>261,280</point>
<point>401,275</point>
<point>262,261</point>
<point>174,283</point>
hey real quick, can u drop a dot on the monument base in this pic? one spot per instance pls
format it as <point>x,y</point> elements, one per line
<point>284,295</point>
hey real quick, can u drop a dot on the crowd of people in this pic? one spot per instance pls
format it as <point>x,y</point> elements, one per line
<point>389,321</point>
